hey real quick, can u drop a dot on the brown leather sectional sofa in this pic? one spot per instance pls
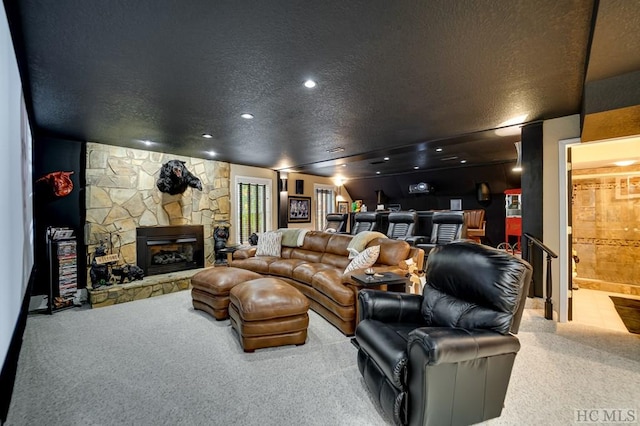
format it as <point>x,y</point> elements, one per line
<point>317,269</point>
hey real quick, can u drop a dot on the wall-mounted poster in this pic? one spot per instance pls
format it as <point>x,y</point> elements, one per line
<point>299,209</point>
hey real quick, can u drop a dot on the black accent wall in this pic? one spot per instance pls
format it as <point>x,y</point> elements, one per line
<point>51,155</point>
<point>460,182</point>
<point>532,199</point>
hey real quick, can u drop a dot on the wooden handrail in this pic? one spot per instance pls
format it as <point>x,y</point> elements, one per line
<point>537,242</point>
<point>548,303</point>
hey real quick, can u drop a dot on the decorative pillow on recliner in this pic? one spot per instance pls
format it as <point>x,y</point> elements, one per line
<point>269,244</point>
<point>365,259</point>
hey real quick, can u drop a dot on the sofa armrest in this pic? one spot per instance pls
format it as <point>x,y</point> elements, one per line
<point>245,253</point>
<point>440,345</point>
<point>389,306</point>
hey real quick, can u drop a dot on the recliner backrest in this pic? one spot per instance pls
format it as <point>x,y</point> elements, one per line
<point>402,224</point>
<point>336,222</point>
<point>447,227</point>
<point>364,221</point>
<point>474,219</point>
<point>473,286</point>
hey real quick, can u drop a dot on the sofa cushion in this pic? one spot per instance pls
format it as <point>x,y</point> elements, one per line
<point>329,283</point>
<point>365,259</point>
<point>304,273</point>
<point>284,267</point>
<point>269,244</point>
<point>392,252</point>
<point>338,244</point>
<point>255,264</point>
<point>316,241</point>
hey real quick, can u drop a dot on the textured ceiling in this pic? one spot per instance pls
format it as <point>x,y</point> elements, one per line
<point>395,79</point>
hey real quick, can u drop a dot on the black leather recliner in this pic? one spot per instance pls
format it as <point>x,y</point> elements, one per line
<point>336,222</point>
<point>402,225</point>
<point>364,221</point>
<point>445,357</point>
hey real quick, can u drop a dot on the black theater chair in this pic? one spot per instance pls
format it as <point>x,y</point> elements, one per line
<point>402,225</point>
<point>336,222</point>
<point>445,357</point>
<point>364,221</point>
<point>447,226</point>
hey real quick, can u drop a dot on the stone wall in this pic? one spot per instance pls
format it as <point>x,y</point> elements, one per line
<point>121,195</point>
<point>606,225</point>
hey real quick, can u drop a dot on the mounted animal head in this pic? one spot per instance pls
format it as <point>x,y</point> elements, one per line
<point>175,178</point>
<point>59,183</point>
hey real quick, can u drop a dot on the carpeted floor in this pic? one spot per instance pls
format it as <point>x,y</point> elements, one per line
<point>159,362</point>
<point>629,311</point>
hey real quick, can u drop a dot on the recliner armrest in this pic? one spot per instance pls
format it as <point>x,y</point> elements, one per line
<point>390,306</point>
<point>440,345</point>
<point>416,239</point>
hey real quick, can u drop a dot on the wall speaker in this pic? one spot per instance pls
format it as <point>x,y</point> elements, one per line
<point>483,192</point>
<point>420,188</point>
<point>299,186</point>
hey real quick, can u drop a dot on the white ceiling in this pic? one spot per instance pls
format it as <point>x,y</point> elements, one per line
<point>598,154</point>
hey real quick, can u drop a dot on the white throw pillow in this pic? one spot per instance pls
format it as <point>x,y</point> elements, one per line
<point>365,259</point>
<point>269,244</point>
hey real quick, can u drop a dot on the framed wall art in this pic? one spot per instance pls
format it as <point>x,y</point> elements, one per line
<point>299,209</point>
<point>343,207</point>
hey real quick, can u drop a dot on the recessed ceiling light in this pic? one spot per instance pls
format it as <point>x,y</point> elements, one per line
<point>148,143</point>
<point>463,161</point>
<point>211,153</point>
<point>246,116</point>
<point>344,165</point>
<point>377,173</point>
<point>624,163</point>
<point>386,158</point>
<point>416,167</point>
<point>336,149</point>
<point>207,135</point>
<point>438,149</point>
<point>309,84</point>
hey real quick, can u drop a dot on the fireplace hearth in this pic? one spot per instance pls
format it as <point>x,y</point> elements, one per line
<point>164,249</point>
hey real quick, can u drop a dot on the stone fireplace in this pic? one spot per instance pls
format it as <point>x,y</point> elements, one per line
<point>164,249</point>
<point>121,197</point>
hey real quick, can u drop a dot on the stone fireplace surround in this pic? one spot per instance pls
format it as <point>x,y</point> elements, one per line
<point>121,196</point>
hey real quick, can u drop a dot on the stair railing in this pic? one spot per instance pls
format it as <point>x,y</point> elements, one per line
<point>531,241</point>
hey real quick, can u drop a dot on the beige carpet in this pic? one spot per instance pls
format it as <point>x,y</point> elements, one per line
<point>159,362</point>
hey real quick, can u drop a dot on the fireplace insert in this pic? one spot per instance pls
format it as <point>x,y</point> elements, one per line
<point>164,249</point>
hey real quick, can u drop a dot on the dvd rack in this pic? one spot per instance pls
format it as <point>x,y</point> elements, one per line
<point>63,268</point>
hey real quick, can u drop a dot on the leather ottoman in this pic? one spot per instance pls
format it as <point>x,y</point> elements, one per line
<point>268,312</point>
<point>210,289</point>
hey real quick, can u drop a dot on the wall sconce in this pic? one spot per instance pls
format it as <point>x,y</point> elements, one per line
<point>518,167</point>
<point>483,192</point>
<point>284,185</point>
<point>283,182</point>
<point>339,196</point>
